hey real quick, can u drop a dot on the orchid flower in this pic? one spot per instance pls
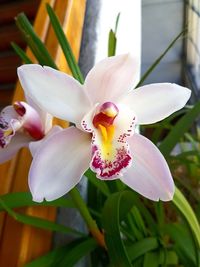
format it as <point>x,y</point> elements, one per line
<point>21,124</point>
<point>105,111</point>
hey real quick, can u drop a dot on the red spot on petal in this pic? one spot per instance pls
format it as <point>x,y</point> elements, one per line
<point>111,169</point>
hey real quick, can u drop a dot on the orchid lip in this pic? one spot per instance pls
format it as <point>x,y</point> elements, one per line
<point>110,151</point>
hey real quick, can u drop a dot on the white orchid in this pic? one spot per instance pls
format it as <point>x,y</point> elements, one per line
<point>105,111</point>
<point>22,125</point>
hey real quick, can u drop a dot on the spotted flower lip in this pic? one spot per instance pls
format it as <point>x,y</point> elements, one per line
<point>20,125</point>
<point>105,111</point>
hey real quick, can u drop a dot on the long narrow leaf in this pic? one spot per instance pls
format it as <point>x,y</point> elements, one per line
<point>65,45</point>
<point>182,204</point>
<point>34,42</point>
<point>21,54</point>
<point>157,61</point>
<point>74,255</point>
<point>141,247</point>
<point>23,199</point>
<point>116,207</point>
<point>39,222</point>
<point>56,256</point>
<point>179,129</point>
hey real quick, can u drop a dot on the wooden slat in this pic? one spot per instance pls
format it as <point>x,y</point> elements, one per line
<point>31,242</point>
<point>9,10</point>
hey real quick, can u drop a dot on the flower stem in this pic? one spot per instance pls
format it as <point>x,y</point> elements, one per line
<point>92,226</point>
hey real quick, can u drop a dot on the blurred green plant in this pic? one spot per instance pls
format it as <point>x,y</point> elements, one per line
<point>137,232</point>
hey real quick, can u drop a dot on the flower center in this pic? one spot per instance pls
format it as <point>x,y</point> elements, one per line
<point>6,132</point>
<point>103,121</point>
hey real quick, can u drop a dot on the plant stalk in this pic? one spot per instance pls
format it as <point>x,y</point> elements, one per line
<point>92,226</point>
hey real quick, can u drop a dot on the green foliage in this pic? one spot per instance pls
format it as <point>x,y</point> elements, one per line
<point>67,255</point>
<point>65,45</point>
<point>34,42</point>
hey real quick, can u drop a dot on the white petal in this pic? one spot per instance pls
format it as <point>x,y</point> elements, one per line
<point>18,141</point>
<point>31,120</point>
<point>59,164</point>
<point>111,78</point>
<point>35,145</point>
<point>149,174</point>
<point>154,102</point>
<point>45,117</point>
<point>54,91</point>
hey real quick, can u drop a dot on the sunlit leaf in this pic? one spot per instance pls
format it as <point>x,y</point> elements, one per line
<point>66,48</point>
<point>183,205</point>
<point>34,42</point>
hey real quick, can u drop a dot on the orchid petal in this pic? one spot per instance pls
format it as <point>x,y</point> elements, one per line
<point>18,141</point>
<point>31,120</point>
<point>149,174</point>
<point>111,78</point>
<point>59,164</point>
<point>54,91</point>
<point>45,117</point>
<point>35,145</point>
<point>155,102</point>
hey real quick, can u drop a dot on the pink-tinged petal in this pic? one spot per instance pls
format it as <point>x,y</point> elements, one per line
<point>31,120</point>
<point>35,145</point>
<point>18,141</point>
<point>9,125</point>
<point>110,126</point>
<point>45,117</point>
<point>149,174</point>
<point>59,164</point>
<point>155,102</point>
<point>54,91</point>
<point>112,78</point>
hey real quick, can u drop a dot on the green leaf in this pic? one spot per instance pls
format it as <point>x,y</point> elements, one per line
<point>80,250</point>
<point>34,42</point>
<point>65,45</point>
<point>152,67</point>
<point>183,243</point>
<point>21,54</point>
<point>112,40</point>
<point>183,205</point>
<point>139,220</point>
<point>23,199</point>
<point>100,184</point>
<point>115,209</point>
<point>160,258</point>
<point>179,129</point>
<point>142,247</point>
<point>38,222</point>
<point>117,22</point>
<point>151,259</point>
<point>71,252</point>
